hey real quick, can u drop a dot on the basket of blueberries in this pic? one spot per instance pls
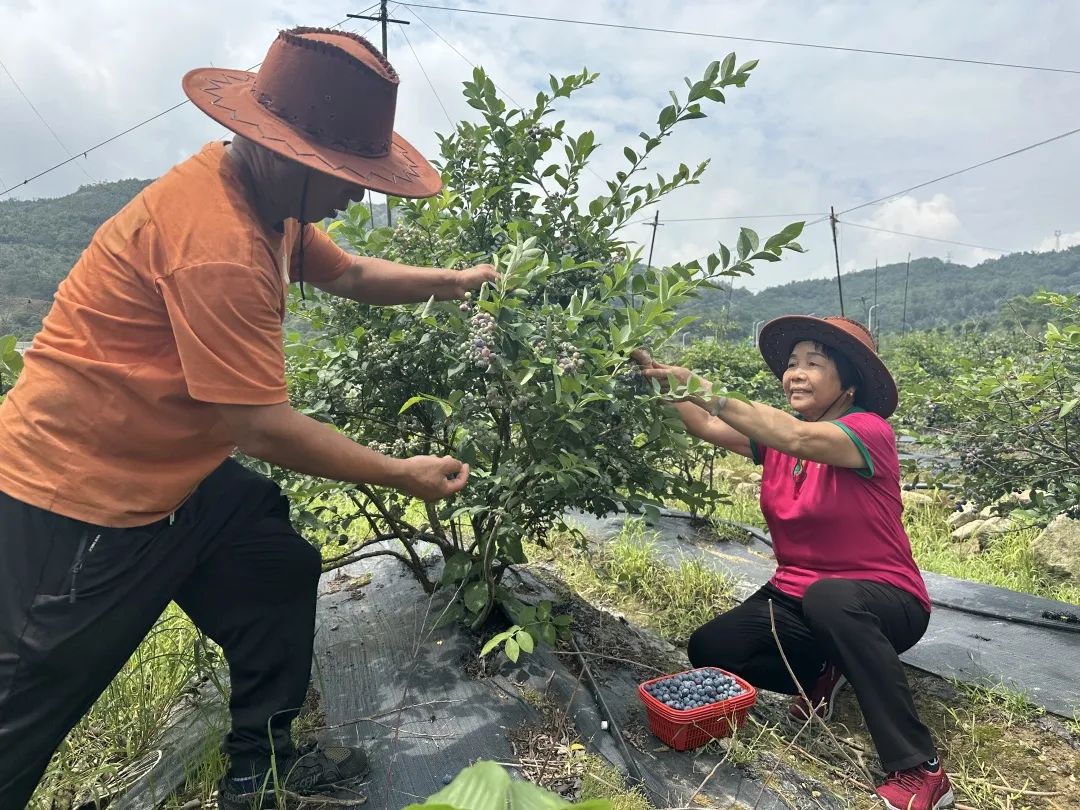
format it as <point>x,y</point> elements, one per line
<point>688,709</point>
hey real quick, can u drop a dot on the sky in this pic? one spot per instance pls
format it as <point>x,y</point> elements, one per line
<point>813,128</point>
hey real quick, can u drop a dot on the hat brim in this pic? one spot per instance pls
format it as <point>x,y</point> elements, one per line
<point>225,96</point>
<point>877,390</point>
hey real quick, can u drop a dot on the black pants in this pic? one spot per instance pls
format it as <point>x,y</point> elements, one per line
<point>859,626</point>
<point>76,600</point>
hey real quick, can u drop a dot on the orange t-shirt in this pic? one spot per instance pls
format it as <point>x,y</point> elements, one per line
<point>178,303</point>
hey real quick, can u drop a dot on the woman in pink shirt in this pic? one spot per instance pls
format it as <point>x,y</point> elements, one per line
<point>847,596</point>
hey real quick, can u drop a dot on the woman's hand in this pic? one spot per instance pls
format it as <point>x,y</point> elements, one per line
<point>664,373</point>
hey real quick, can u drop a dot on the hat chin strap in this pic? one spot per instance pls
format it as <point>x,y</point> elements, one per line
<point>303,225</point>
<point>831,406</point>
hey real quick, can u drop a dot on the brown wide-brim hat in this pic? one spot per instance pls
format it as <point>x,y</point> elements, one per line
<point>325,99</point>
<point>877,389</point>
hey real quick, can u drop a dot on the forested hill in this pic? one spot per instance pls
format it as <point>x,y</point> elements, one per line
<point>41,239</point>
<point>939,294</point>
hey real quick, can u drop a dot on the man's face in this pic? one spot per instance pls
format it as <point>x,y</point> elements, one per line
<point>327,195</point>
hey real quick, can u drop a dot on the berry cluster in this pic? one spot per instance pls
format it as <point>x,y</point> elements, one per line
<point>570,359</point>
<point>691,690</point>
<point>632,381</point>
<point>479,347</point>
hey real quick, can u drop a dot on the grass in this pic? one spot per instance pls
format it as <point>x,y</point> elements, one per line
<point>601,780</point>
<point>628,576</point>
<point>1007,562</point>
<point>126,721</point>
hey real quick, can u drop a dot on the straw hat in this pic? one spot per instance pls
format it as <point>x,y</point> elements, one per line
<point>877,389</point>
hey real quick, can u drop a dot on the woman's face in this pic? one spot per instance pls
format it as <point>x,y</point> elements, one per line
<point>811,381</point>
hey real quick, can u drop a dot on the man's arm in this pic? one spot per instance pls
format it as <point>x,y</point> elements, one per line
<point>382,282</point>
<point>282,436</point>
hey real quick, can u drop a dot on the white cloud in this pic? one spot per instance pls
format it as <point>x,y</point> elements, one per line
<point>812,128</point>
<point>1058,241</point>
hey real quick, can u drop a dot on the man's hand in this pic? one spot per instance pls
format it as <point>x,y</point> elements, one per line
<point>431,478</point>
<point>465,281</point>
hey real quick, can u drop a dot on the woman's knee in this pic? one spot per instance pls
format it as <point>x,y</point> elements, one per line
<point>715,645</point>
<point>827,600</point>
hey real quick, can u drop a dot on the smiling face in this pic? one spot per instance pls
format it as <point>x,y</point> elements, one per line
<point>812,381</point>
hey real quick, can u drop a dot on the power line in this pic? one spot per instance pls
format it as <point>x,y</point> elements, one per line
<point>747,216</point>
<point>41,118</point>
<point>706,35</point>
<point>1028,148</point>
<point>468,61</point>
<point>420,64</point>
<point>920,236</point>
<point>107,141</point>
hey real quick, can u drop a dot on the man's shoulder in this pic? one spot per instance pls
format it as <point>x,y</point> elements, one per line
<point>201,215</point>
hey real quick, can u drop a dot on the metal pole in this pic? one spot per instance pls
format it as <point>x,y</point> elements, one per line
<point>836,253</point>
<point>652,242</point>
<point>870,321</point>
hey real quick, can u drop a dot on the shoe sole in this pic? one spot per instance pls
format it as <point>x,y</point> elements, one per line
<point>944,801</point>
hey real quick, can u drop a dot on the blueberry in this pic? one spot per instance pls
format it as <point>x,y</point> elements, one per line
<point>446,780</point>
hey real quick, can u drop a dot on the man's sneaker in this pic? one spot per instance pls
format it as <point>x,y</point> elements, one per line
<point>822,696</point>
<point>917,789</point>
<point>302,774</point>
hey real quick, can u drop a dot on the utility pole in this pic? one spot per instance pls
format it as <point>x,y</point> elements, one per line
<point>903,329</point>
<point>836,252</point>
<point>652,243</point>
<point>385,19</point>
<point>875,285</point>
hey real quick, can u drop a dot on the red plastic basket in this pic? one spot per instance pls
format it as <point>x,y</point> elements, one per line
<point>683,730</point>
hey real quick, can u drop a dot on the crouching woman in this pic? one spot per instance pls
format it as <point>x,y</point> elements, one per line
<point>847,596</point>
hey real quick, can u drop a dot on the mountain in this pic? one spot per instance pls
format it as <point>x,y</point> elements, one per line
<point>938,293</point>
<point>41,239</point>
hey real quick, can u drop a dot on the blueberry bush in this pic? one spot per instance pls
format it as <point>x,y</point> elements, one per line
<point>10,364</point>
<point>529,381</point>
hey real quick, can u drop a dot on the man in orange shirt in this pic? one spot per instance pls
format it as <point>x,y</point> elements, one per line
<point>162,354</point>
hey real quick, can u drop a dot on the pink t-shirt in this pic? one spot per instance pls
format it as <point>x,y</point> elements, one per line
<point>835,522</point>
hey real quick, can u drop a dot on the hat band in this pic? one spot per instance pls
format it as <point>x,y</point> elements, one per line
<point>362,148</point>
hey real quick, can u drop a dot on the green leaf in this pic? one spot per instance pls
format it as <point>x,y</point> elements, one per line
<point>1066,409</point>
<point>563,621</point>
<point>513,650</point>
<point>548,634</point>
<point>476,597</point>
<point>525,641</point>
<point>455,612</point>
<point>728,66</point>
<point>457,567</point>
<point>483,786</point>
<point>630,154</point>
<point>667,117</point>
<point>493,642</point>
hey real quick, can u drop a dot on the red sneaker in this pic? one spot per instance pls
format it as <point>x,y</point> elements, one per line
<point>917,789</point>
<point>822,696</point>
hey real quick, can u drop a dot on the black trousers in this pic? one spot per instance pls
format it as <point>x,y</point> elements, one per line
<point>76,600</point>
<point>859,626</point>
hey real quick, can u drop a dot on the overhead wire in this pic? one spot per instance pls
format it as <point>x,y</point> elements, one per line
<point>966,169</point>
<point>921,236</point>
<point>41,118</point>
<point>759,40</point>
<point>132,128</point>
<point>431,84</point>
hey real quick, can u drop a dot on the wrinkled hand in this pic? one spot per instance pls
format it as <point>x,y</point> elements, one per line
<point>465,281</point>
<point>432,478</point>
